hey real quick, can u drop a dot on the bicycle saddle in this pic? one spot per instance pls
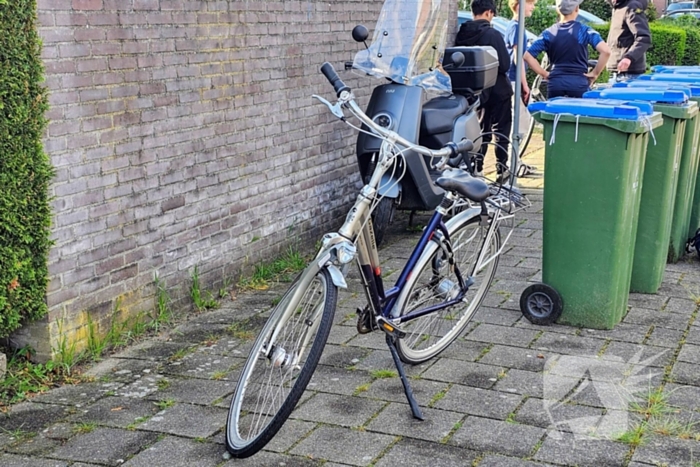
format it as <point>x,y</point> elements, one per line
<point>461,182</point>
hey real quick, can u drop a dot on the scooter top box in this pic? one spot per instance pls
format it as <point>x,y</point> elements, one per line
<point>478,72</point>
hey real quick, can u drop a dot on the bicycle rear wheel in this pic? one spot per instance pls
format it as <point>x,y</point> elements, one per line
<point>276,373</point>
<point>434,282</point>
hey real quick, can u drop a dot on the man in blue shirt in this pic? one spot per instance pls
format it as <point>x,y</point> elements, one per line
<point>566,44</point>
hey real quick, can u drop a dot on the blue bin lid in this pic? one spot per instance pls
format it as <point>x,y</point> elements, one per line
<point>674,77</point>
<point>639,94</point>
<point>601,108</point>
<point>690,89</point>
<point>675,69</point>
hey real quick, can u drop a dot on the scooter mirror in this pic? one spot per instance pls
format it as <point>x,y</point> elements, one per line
<point>457,59</point>
<point>360,33</point>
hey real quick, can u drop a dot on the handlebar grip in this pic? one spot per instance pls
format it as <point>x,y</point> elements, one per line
<point>465,145</point>
<point>332,77</point>
<point>459,149</point>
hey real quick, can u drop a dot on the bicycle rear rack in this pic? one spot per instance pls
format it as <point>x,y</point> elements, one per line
<point>507,198</point>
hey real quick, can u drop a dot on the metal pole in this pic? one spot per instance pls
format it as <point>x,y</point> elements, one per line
<point>515,144</point>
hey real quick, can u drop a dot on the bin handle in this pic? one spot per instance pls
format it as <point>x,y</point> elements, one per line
<point>647,123</point>
<point>554,129</point>
<point>645,119</point>
<point>556,122</point>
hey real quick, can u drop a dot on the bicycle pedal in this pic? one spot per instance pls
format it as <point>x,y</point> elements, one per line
<point>389,328</point>
<point>365,321</point>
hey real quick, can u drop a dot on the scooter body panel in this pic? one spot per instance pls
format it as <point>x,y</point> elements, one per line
<point>400,107</point>
<point>466,126</point>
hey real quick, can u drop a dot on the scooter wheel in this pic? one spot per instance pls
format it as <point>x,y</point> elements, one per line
<point>381,217</point>
<point>541,304</point>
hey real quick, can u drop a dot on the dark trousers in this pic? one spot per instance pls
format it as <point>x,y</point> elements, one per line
<point>552,93</point>
<point>497,118</point>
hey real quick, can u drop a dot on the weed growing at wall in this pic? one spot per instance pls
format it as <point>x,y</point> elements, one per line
<point>283,268</point>
<point>203,300</point>
<point>25,378</point>
<point>25,170</point>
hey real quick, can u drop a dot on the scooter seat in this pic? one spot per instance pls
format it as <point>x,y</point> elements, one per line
<point>461,182</point>
<point>439,114</point>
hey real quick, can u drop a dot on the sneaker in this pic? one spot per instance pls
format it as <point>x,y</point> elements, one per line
<point>503,177</point>
<point>479,173</point>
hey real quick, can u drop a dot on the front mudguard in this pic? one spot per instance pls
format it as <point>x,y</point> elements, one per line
<point>389,187</point>
<point>335,246</point>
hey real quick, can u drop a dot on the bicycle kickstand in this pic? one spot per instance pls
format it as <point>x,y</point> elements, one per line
<point>404,380</point>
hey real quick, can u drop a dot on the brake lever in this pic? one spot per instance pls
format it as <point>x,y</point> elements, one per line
<point>335,109</point>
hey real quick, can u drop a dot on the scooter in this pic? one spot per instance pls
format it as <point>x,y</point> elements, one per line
<point>459,74</point>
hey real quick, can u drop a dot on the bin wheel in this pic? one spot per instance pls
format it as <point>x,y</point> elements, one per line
<point>541,304</point>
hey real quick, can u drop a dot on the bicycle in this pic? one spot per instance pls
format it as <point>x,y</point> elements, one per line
<point>438,292</point>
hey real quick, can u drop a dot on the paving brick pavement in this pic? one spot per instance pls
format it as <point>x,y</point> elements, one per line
<point>505,394</point>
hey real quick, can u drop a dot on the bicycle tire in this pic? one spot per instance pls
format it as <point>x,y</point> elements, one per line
<point>526,138</point>
<point>431,334</point>
<point>246,411</point>
<point>538,93</point>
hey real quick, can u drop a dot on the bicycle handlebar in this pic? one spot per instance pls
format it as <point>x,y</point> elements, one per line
<point>333,78</point>
<point>451,154</point>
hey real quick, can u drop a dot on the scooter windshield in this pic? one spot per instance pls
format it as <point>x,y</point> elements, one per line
<point>408,44</point>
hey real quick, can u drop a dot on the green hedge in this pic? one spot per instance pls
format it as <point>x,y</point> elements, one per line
<point>25,170</point>
<point>667,44</point>
<point>691,56</point>
<point>600,8</point>
<point>691,25</point>
<point>543,16</point>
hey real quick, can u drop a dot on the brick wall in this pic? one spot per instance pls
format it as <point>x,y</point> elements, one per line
<point>184,134</point>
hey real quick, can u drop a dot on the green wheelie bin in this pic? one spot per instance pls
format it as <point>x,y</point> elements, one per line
<point>687,175</point>
<point>694,223</point>
<point>594,165</point>
<point>660,179</point>
<point>687,170</point>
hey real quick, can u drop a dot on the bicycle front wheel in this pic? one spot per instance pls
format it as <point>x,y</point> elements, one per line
<point>281,362</point>
<point>434,282</point>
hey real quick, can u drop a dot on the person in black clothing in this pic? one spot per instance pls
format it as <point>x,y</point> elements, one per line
<point>629,37</point>
<point>496,101</point>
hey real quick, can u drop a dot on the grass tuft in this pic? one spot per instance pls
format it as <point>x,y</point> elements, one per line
<point>384,374</point>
